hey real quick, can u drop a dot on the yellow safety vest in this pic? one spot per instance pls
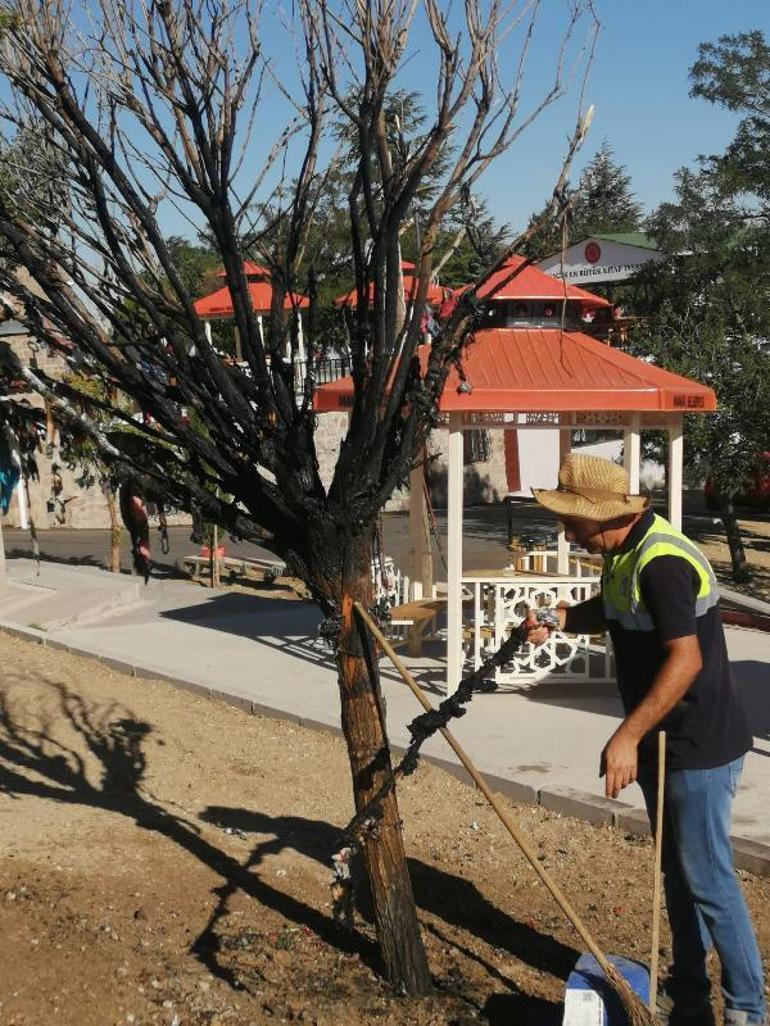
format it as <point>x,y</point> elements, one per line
<point>621,592</point>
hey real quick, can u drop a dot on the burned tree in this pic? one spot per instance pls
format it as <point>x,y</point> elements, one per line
<point>166,106</point>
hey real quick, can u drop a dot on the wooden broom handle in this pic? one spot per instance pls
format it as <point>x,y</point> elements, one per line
<point>656,872</point>
<point>510,826</point>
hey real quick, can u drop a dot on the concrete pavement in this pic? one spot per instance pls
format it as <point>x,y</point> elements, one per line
<point>539,742</point>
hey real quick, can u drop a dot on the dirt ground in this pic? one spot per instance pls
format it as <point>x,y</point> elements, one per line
<point>164,860</point>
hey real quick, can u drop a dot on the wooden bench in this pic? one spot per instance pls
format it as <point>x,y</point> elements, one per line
<point>417,616</point>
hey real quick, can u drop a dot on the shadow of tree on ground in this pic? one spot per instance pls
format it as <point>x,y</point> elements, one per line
<point>34,762</point>
<point>100,761</point>
<point>453,899</point>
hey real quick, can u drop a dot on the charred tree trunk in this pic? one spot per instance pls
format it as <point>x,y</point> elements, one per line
<point>398,931</point>
<point>735,542</point>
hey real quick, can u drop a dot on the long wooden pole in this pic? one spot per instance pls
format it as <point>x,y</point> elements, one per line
<point>528,852</point>
<point>2,553</point>
<point>656,871</point>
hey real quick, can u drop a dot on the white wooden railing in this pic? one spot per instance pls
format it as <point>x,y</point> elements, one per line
<point>389,582</point>
<point>501,603</point>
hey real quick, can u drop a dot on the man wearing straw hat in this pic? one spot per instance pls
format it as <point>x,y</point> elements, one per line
<point>659,602</point>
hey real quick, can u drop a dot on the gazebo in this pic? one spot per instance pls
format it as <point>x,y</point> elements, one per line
<point>536,377</point>
<point>219,305</point>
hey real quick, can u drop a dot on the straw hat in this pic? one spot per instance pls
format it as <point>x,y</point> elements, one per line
<point>592,488</point>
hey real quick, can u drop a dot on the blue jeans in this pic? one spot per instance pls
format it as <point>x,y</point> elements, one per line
<point>704,900</point>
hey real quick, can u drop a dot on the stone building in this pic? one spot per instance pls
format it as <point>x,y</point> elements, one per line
<point>54,499</point>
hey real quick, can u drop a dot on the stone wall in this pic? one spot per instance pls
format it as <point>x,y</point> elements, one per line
<point>485,481</point>
<point>74,506</point>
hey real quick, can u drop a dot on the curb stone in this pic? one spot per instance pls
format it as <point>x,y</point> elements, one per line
<point>738,618</point>
<point>115,664</point>
<point>579,805</point>
<point>751,856</point>
<point>634,821</point>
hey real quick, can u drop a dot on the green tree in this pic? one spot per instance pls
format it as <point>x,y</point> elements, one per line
<point>196,264</point>
<point>735,73</point>
<point>603,201</point>
<point>30,178</point>
<point>708,314</point>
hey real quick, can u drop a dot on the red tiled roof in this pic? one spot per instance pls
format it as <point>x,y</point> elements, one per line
<point>544,370</point>
<point>532,283</point>
<point>220,304</point>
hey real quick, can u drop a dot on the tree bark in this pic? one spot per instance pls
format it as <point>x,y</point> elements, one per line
<point>735,542</point>
<point>398,932</point>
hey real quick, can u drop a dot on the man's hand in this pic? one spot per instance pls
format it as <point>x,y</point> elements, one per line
<point>619,761</point>
<point>536,633</point>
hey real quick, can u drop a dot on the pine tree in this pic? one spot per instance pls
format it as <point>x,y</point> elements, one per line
<point>603,201</point>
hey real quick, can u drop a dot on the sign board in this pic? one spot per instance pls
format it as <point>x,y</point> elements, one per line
<point>592,261</point>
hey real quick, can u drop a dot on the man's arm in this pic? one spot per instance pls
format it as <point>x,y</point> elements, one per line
<point>669,586</point>
<point>585,618</point>
<point>679,669</point>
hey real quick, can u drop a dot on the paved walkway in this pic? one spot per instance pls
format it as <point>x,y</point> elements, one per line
<point>540,742</point>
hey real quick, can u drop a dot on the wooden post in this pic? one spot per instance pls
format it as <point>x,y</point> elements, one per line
<point>675,473</point>
<point>214,558</point>
<point>654,954</point>
<point>562,545</point>
<point>454,552</point>
<point>421,561</point>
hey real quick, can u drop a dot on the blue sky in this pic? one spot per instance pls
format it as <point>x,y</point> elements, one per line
<point>639,86</point>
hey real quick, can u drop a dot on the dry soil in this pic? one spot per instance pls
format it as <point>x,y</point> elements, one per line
<point>164,860</point>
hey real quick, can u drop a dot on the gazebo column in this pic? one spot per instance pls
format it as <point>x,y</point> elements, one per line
<point>675,473</point>
<point>261,329</point>
<point>562,545</point>
<point>632,452</point>
<point>238,347</point>
<point>207,332</point>
<point>300,337</point>
<point>454,553</point>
